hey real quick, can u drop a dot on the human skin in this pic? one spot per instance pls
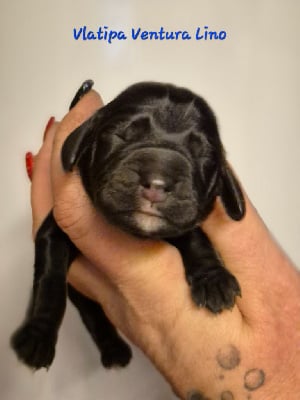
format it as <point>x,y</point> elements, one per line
<point>249,352</point>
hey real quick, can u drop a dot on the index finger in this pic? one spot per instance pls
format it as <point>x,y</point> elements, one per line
<point>87,106</point>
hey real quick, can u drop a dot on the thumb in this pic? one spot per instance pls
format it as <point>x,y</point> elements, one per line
<point>250,253</point>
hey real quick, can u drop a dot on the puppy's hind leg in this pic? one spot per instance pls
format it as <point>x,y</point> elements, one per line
<point>114,350</point>
<point>34,342</point>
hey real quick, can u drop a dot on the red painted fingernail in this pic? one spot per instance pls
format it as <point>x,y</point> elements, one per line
<point>29,164</point>
<point>48,126</point>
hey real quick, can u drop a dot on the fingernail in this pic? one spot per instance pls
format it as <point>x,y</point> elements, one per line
<point>29,164</point>
<point>84,88</point>
<point>48,126</point>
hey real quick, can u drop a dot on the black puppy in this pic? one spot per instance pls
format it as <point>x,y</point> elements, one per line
<point>152,162</point>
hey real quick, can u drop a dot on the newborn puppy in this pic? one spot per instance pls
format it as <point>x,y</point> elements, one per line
<point>152,162</point>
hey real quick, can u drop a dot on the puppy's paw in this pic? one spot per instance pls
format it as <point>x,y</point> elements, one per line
<point>34,344</point>
<point>215,289</point>
<point>116,354</point>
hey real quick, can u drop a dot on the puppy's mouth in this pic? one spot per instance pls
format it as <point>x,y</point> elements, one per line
<point>150,214</point>
<point>146,207</point>
<point>147,219</point>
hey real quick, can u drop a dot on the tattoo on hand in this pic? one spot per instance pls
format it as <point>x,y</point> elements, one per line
<point>254,379</point>
<point>227,395</point>
<point>228,357</point>
<point>195,395</point>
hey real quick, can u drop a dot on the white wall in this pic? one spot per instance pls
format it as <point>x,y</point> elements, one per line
<point>252,81</point>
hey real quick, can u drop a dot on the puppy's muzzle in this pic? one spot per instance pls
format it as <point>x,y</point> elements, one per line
<point>151,190</point>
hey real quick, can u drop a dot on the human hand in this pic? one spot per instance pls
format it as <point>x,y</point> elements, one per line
<point>253,350</point>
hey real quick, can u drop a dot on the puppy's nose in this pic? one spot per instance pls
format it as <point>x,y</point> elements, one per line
<point>154,191</point>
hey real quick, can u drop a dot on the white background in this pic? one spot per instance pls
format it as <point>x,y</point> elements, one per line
<point>251,79</point>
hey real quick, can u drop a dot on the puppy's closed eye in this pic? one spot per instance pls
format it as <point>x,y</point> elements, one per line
<point>136,130</point>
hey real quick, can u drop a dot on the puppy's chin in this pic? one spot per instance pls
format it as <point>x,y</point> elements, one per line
<point>146,225</point>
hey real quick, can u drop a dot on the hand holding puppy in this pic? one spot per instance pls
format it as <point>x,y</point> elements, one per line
<point>252,350</point>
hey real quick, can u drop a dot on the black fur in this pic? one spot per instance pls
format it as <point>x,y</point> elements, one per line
<point>152,162</point>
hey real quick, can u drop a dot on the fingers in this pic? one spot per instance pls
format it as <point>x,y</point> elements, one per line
<point>62,182</point>
<point>86,107</point>
<point>41,191</point>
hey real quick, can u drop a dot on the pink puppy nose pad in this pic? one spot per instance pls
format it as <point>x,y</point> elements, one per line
<point>155,191</point>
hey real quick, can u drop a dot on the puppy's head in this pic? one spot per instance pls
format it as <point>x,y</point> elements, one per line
<point>152,161</point>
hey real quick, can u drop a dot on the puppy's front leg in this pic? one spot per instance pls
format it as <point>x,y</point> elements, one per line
<point>34,342</point>
<point>212,285</point>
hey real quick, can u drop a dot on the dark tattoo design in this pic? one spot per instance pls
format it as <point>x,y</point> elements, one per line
<point>228,357</point>
<point>254,379</point>
<point>227,395</point>
<point>195,395</point>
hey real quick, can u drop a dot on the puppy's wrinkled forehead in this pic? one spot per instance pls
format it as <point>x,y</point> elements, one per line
<point>161,116</point>
<point>162,120</point>
<point>174,117</point>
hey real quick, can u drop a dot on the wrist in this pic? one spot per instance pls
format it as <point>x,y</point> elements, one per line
<point>179,353</point>
<point>174,344</point>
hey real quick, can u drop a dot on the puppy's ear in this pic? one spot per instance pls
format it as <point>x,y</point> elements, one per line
<point>231,194</point>
<point>75,144</point>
